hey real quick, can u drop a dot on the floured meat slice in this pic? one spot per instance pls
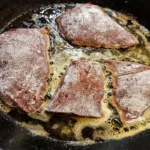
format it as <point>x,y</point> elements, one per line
<point>81,91</point>
<point>131,84</point>
<point>89,25</point>
<point>24,68</point>
<point>122,67</point>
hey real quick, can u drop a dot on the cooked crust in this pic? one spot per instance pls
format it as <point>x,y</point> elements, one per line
<point>45,31</point>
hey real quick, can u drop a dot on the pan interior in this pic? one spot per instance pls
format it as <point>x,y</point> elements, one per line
<point>61,52</point>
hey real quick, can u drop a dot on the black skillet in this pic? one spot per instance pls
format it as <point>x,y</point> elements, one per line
<point>14,137</point>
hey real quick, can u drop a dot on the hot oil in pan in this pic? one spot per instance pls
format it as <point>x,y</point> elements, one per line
<point>61,52</point>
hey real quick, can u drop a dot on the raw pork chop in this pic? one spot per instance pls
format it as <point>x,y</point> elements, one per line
<point>24,68</point>
<point>89,25</point>
<point>81,91</point>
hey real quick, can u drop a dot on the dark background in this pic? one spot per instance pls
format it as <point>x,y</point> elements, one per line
<point>139,8</point>
<point>14,137</point>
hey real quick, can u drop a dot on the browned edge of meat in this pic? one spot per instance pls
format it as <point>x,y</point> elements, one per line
<point>110,65</point>
<point>73,113</point>
<point>92,43</point>
<point>11,103</point>
<point>113,65</point>
<point>45,31</point>
<point>113,101</point>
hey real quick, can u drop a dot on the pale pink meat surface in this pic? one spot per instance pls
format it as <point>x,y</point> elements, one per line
<point>81,91</point>
<point>131,88</point>
<point>89,25</point>
<point>24,68</point>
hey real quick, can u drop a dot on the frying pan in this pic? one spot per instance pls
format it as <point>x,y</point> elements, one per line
<point>14,137</point>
